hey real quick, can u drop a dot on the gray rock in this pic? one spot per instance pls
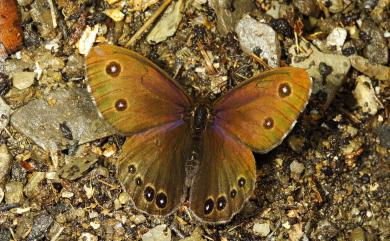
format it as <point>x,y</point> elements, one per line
<point>364,66</point>
<point>230,12</point>
<point>5,162</point>
<point>255,35</point>
<point>168,23</point>
<point>76,166</point>
<point>32,188</point>
<point>327,70</point>
<point>5,112</point>
<point>383,133</point>
<point>40,13</point>
<point>307,7</point>
<point>40,225</point>
<point>40,120</point>
<point>158,233</point>
<point>375,49</point>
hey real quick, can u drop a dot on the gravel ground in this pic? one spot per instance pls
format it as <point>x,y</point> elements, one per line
<point>328,180</point>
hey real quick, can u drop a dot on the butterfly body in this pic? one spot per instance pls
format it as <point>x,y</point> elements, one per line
<point>178,146</point>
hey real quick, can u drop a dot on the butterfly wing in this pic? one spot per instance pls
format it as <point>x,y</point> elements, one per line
<point>152,167</point>
<point>140,100</point>
<point>256,115</point>
<point>131,92</point>
<point>225,178</point>
<point>261,112</point>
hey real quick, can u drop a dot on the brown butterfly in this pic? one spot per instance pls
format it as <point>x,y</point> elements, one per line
<point>177,146</point>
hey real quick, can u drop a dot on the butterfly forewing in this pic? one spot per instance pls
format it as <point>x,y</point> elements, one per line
<point>262,111</point>
<point>131,92</point>
<point>225,178</point>
<point>152,167</point>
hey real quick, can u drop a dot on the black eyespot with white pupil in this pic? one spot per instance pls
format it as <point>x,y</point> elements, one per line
<point>161,200</point>
<point>149,194</point>
<point>241,182</point>
<point>138,181</point>
<point>121,105</point>
<point>284,90</point>
<point>132,169</point>
<point>208,206</point>
<point>233,193</point>
<point>221,203</point>
<point>113,69</point>
<point>268,123</point>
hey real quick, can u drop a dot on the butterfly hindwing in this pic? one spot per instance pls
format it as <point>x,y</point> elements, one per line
<point>225,178</point>
<point>261,112</point>
<point>152,167</point>
<point>131,92</point>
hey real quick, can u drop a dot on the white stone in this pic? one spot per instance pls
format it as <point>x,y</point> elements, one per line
<point>253,35</point>
<point>365,96</point>
<point>87,39</point>
<point>297,167</point>
<point>261,229</point>
<point>115,14</point>
<point>337,37</point>
<point>138,219</point>
<point>87,237</point>
<point>158,233</point>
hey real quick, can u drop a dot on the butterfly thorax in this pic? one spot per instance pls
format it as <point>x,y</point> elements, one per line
<point>200,118</point>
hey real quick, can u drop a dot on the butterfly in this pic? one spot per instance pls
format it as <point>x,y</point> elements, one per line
<point>178,148</point>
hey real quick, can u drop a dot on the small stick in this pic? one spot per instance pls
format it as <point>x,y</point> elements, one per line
<point>261,61</point>
<point>147,24</point>
<point>53,13</point>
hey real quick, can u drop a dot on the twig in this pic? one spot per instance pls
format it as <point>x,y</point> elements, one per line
<point>53,13</point>
<point>261,61</point>
<point>147,24</point>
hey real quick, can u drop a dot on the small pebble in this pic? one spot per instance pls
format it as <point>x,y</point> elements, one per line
<point>297,167</point>
<point>23,80</point>
<point>1,194</point>
<point>14,192</point>
<point>5,162</point>
<point>95,225</point>
<point>5,112</point>
<point>67,194</point>
<point>87,237</point>
<point>115,14</point>
<point>337,37</point>
<point>357,234</point>
<point>365,96</point>
<point>261,229</point>
<point>138,219</point>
